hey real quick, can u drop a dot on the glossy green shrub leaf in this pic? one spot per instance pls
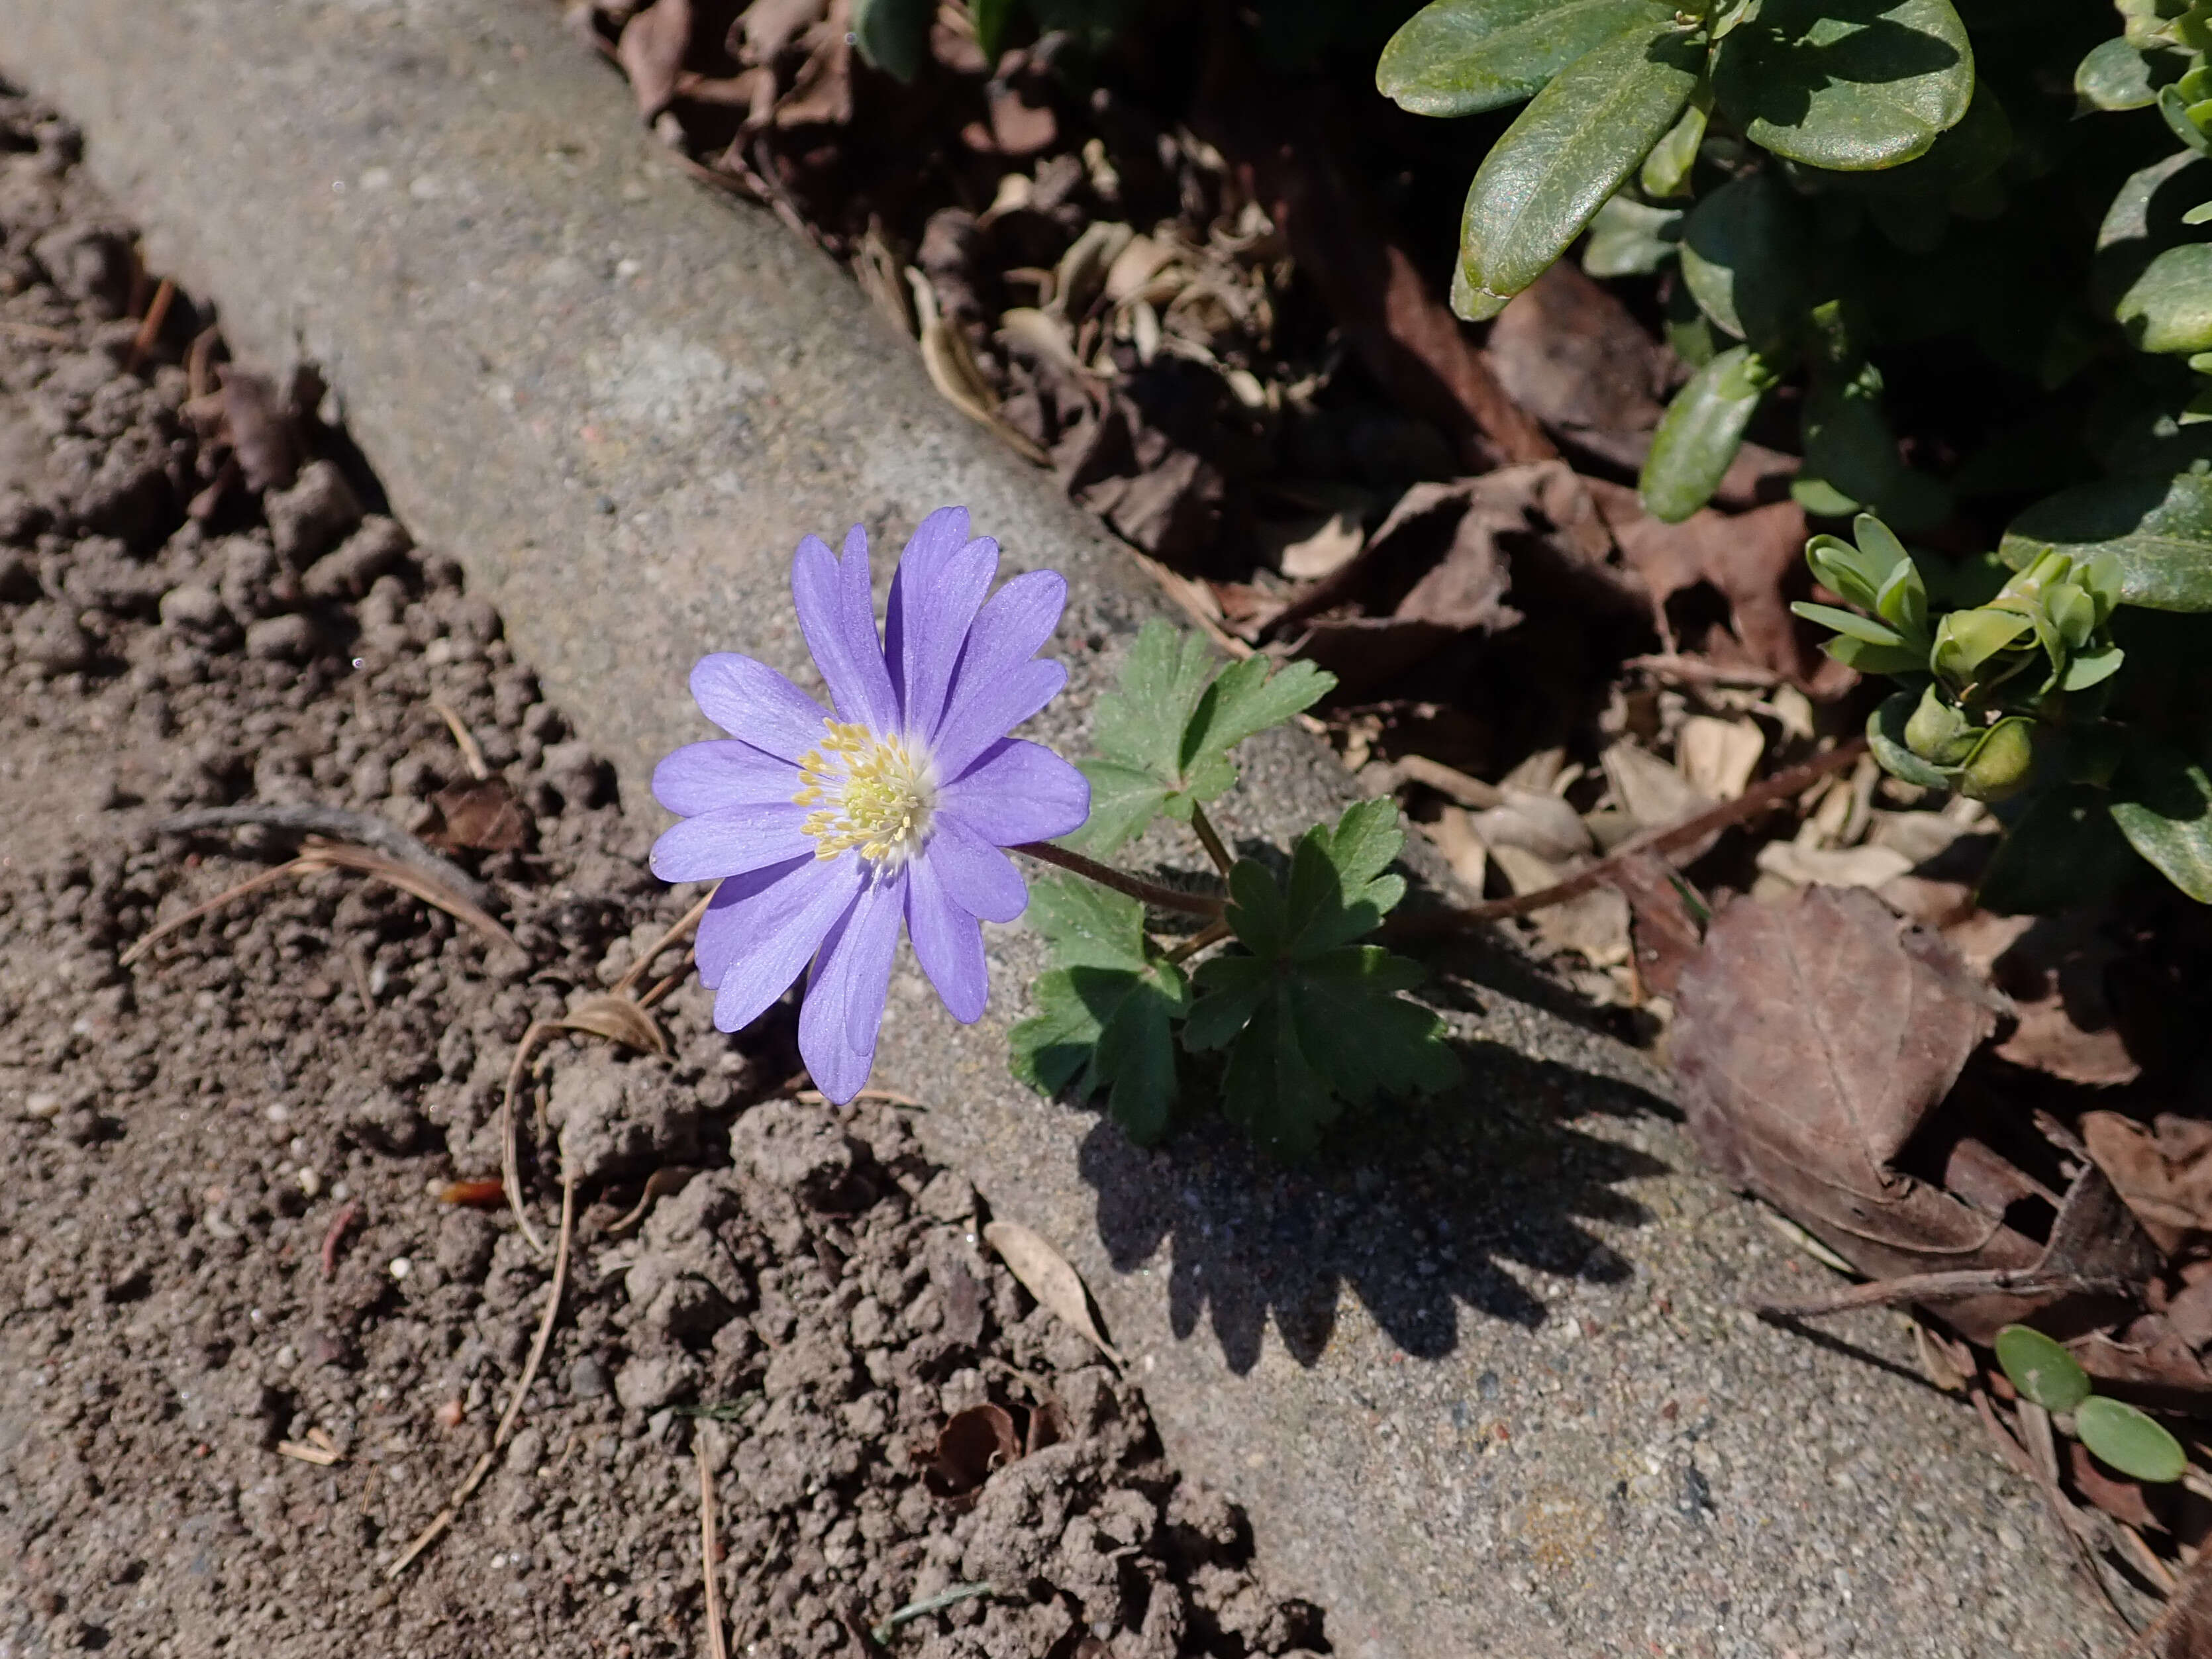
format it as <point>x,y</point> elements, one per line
<point>2127,1440</point>
<point>1744,259</point>
<point>1961,157</point>
<point>1462,57</point>
<point>2162,802</point>
<point>1885,729</point>
<point>992,19</point>
<point>1700,433</point>
<point>2041,1369</point>
<point>2181,118</point>
<point>1579,139</point>
<point>2148,214</point>
<point>893,35</point>
<point>2063,852</point>
<point>1850,448</point>
<point>1846,85</point>
<point>1630,238</point>
<point>2158,533</point>
<point>2118,75</point>
<point>1666,170</point>
<point>2169,307</point>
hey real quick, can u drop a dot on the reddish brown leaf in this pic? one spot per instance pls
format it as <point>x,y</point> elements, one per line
<point>1019,128</point>
<point>2163,1171</point>
<point>651,52</point>
<point>1668,936</point>
<point>1750,558</point>
<point>1812,1038</point>
<point>821,93</point>
<point>2054,969</point>
<point>1568,351</point>
<point>485,816</point>
<point>971,1445</point>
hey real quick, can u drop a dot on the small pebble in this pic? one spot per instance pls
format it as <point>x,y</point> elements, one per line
<point>310,1183</point>
<point>401,1266</point>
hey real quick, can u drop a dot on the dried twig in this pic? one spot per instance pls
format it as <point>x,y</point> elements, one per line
<point>510,1157</point>
<point>209,907</point>
<point>472,755</point>
<point>682,929</point>
<point>150,330</point>
<point>717,1644</point>
<point>321,1456</point>
<point>363,829</point>
<point>1945,1287</point>
<point>336,1235</point>
<point>1440,923</point>
<point>444,1519</point>
<point>36,331</point>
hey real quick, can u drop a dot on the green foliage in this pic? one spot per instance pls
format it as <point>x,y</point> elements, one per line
<point>893,35</point>
<point>2041,1369</point>
<point>1462,57</point>
<point>1700,433</point>
<point>1312,1021</point>
<point>1106,1011</point>
<point>2129,1441</point>
<point>1297,1017</point>
<point>1580,138</point>
<point>1164,737</point>
<point>2157,532</point>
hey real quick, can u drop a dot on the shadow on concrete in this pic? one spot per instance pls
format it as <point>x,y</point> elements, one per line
<point>1417,1212</point>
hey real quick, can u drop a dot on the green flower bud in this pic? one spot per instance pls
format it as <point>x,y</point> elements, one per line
<point>2002,761</point>
<point>1939,733</point>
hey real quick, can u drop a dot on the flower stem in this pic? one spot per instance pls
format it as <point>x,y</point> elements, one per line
<point>1213,934</point>
<point>1166,898</point>
<point>1211,838</point>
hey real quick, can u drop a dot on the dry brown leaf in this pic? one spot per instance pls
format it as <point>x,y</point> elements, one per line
<point>1832,867</point>
<point>1141,258</point>
<point>1080,276</point>
<point>619,1020</point>
<point>972,1445</point>
<point>1667,935</point>
<point>1567,350</point>
<point>651,52</point>
<point>1463,848</point>
<point>1046,1274</point>
<point>1524,872</point>
<point>765,27</point>
<point>1536,821</point>
<point>1719,757</point>
<point>260,427</point>
<point>821,93</point>
<point>1751,558</point>
<point>1322,548</point>
<point>485,816</point>
<point>2055,970</point>
<point>1652,791</point>
<point>1812,1037</point>
<point>2163,1170</point>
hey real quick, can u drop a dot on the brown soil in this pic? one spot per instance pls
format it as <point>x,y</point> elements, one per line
<point>227,1229</point>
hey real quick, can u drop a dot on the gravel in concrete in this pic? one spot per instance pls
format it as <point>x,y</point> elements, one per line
<point>1481,1381</point>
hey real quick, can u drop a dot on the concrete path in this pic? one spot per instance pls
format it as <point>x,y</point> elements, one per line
<point>1481,1384</point>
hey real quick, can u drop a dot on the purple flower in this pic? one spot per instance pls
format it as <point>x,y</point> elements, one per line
<point>826,831</point>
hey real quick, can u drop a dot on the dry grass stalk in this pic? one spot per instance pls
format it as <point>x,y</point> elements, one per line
<point>464,739</point>
<point>717,1644</point>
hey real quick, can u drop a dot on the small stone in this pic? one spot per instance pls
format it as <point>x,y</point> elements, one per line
<point>348,571</point>
<point>315,512</point>
<point>49,637</point>
<point>949,1197</point>
<point>649,1382</point>
<point>194,608</point>
<point>401,1266</point>
<point>588,1378</point>
<point>281,639</point>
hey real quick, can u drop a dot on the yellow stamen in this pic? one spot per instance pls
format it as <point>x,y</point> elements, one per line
<point>875,795</point>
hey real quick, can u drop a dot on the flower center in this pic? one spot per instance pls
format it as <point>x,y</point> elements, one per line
<point>875,796</point>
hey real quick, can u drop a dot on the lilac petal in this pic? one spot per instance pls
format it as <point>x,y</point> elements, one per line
<point>751,701</point>
<point>702,776</point>
<point>845,994</point>
<point>948,942</point>
<point>760,928</point>
<point>941,581</point>
<point>1009,630</point>
<point>975,875</point>
<point>995,709</point>
<point>731,841</point>
<point>1018,792</point>
<point>836,613</point>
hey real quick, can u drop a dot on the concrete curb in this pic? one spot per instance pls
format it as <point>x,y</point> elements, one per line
<point>1484,1393</point>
